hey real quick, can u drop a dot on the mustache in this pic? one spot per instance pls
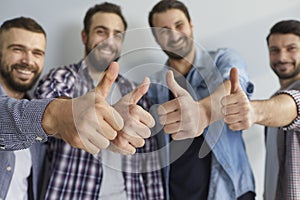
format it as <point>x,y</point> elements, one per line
<point>104,46</point>
<point>282,63</point>
<point>172,43</point>
<point>24,66</point>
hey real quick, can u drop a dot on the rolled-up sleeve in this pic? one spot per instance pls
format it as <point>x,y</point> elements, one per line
<point>227,58</point>
<point>295,94</point>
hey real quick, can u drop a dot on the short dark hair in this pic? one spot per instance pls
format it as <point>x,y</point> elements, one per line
<point>23,23</point>
<point>165,5</point>
<point>285,27</point>
<point>103,7</point>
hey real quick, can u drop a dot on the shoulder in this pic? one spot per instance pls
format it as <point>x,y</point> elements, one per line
<point>225,54</point>
<point>71,69</point>
<point>159,76</point>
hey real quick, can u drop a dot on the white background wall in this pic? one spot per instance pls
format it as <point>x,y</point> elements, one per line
<point>239,24</point>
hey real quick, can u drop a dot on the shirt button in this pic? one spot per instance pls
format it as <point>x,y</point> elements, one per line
<point>226,166</point>
<point>39,138</point>
<point>8,168</point>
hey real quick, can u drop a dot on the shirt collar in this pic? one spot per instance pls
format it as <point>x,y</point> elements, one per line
<point>87,73</point>
<point>201,63</point>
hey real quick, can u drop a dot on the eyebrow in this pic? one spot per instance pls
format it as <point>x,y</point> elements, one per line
<point>106,28</point>
<point>180,21</point>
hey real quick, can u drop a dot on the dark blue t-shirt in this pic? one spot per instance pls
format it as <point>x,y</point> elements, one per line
<point>189,174</point>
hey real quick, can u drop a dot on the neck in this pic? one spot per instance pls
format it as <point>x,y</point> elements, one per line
<point>183,66</point>
<point>285,83</point>
<point>95,75</point>
<point>11,92</point>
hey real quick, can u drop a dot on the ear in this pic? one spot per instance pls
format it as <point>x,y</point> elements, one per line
<point>154,35</point>
<point>192,25</point>
<point>83,37</point>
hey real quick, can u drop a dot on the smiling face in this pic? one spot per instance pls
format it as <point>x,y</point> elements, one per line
<point>21,58</point>
<point>104,40</point>
<point>284,52</point>
<point>174,33</point>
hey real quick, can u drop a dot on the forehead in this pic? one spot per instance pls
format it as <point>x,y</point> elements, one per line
<point>283,39</point>
<point>109,20</point>
<point>169,17</point>
<point>18,36</point>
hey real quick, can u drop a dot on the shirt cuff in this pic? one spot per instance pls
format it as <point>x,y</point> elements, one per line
<point>295,94</point>
<point>31,122</point>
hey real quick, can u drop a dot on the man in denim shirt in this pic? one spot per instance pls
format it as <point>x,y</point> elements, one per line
<point>203,158</point>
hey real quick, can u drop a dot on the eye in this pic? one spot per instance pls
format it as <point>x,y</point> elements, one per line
<point>38,53</point>
<point>274,51</point>
<point>18,49</point>
<point>119,36</point>
<point>179,26</point>
<point>100,31</point>
<point>162,31</point>
<point>292,48</point>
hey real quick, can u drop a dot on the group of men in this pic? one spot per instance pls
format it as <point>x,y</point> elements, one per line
<point>68,142</point>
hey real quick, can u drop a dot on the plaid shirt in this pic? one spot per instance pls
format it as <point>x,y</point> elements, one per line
<point>288,141</point>
<point>284,153</point>
<point>76,174</point>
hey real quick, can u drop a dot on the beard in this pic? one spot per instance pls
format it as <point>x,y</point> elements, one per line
<point>286,76</point>
<point>9,79</point>
<point>179,53</point>
<point>98,62</point>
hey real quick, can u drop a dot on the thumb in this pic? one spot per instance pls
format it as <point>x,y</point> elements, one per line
<point>234,80</point>
<point>135,95</point>
<point>173,85</point>
<point>108,79</point>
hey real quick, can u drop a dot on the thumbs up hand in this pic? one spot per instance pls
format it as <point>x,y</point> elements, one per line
<point>180,116</point>
<point>87,122</point>
<point>96,121</point>
<point>137,121</point>
<point>237,109</point>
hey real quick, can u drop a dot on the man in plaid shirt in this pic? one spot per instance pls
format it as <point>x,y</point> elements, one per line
<point>280,114</point>
<point>76,174</point>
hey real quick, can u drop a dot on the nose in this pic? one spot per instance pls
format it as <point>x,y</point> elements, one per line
<point>28,58</point>
<point>283,55</point>
<point>174,35</point>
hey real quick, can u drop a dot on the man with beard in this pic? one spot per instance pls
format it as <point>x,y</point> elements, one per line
<point>216,167</point>
<point>26,123</point>
<point>23,44</point>
<point>75,174</point>
<point>280,114</point>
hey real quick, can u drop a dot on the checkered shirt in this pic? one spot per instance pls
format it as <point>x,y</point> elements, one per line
<point>76,174</point>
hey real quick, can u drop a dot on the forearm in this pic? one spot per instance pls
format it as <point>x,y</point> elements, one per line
<point>280,110</point>
<point>57,108</point>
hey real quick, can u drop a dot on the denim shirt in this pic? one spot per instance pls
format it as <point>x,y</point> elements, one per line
<point>12,137</point>
<point>231,174</point>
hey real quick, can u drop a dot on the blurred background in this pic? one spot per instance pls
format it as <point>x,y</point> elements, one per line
<point>241,25</point>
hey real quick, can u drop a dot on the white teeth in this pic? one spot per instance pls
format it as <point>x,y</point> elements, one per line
<point>24,71</point>
<point>104,51</point>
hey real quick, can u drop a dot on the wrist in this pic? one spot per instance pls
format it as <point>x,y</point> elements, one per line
<point>204,114</point>
<point>51,115</point>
